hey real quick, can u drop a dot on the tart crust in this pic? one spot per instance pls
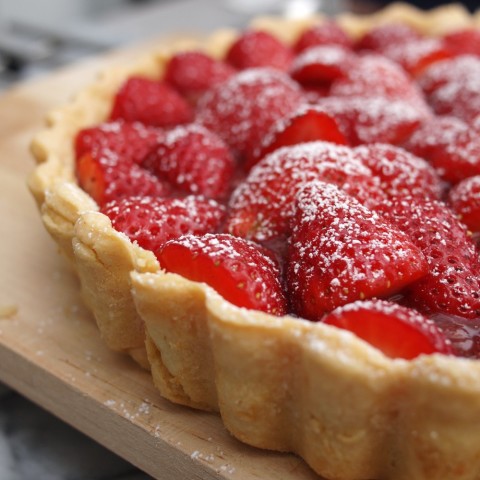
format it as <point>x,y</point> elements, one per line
<point>279,383</point>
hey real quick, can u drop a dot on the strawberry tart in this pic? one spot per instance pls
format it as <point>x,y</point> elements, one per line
<point>282,225</point>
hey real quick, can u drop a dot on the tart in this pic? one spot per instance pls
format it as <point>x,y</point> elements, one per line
<point>336,398</point>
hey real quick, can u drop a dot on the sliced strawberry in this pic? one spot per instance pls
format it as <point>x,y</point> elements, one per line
<point>239,270</point>
<point>262,206</point>
<point>192,73</point>
<point>461,100</point>
<point>377,76</point>
<point>340,251</point>
<point>244,108</point>
<point>401,174</point>
<point>321,65</point>
<point>130,141</point>
<point>463,42</point>
<point>463,334</point>
<point>305,125</point>
<point>255,48</point>
<point>150,222</point>
<point>326,33</point>
<point>417,55</point>
<point>453,87</point>
<point>105,178</point>
<point>370,120</point>
<point>450,145</point>
<point>194,160</point>
<point>397,331</point>
<point>451,71</point>
<point>150,102</point>
<point>464,198</point>
<point>452,285</point>
<point>385,36</point>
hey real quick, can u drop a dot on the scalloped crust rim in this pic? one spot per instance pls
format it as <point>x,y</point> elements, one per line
<point>279,383</point>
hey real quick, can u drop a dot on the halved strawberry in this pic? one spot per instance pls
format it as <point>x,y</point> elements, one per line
<point>325,33</point>
<point>262,206</point>
<point>340,251</point>
<point>306,125</point>
<point>464,198</point>
<point>150,222</point>
<point>193,159</point>
<point>417,55</point>
<point>401,174</point>
<point>450,71</point>
<point>397,331</point>
<point>453,87</point>
<point>130,141</point>
<point>463,42</point>
<point>194,72</point>
<point>366,120</point>
<point>384,36</point>
<point>450,145</point>
<point>256,48</point>
<point>243,109</point>
<point>453,284</point>
<point>105,178</point>
<point>377,76</point>
<point>463,334</point>
<point>150,102</point>
<point>239,270</point>
<point>321,65</point>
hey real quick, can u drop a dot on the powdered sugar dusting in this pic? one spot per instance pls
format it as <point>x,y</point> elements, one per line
<point>263,205</point>
<point>340,251</point>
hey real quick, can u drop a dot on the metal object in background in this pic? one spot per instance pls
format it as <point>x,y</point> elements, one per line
<point>37,36</point>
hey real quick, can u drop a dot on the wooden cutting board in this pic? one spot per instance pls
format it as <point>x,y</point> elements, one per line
<point>50,349</point>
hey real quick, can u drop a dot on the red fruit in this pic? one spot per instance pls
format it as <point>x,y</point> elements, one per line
<point>244,108</point>
<point>340,251</point>
<point>416,55</point>
<point>452,71</point>
<point>461,100</point>
<point>452,285</point>
<point>262,206</point>
<point>240,271</point>
<point>130,141</point>
<point>194,160</point>
<point>450,145</point>
<point>104,177</point>
<point>192,73</point>
<point>150,102</point>
<point>385,36</point>
<point>453,87</point>
<point>305,125</point>
<point>377,76</point>
<point>321,65</point>
<point>401,174</point>
<point>463,42</point>
<point>398,332</point>
<point>150,222</point>
<point>371,120</point>
<point>464,198</point>
<point>463,333</point>
<point>259,49</point>
<point>326,33</point>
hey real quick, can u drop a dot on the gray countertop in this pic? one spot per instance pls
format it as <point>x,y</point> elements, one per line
<point>34,445</point>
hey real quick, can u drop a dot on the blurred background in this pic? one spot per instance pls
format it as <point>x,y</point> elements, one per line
<point>39,35</point>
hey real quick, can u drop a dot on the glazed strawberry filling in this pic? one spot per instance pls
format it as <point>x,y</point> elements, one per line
<point>337,181</point>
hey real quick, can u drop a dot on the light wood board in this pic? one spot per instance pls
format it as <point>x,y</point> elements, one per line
<point>51,351</point>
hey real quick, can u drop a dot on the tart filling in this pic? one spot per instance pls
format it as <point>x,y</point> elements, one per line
<point>315,163</point>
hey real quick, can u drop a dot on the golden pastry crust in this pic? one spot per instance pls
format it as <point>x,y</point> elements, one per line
<point>279,383</point>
